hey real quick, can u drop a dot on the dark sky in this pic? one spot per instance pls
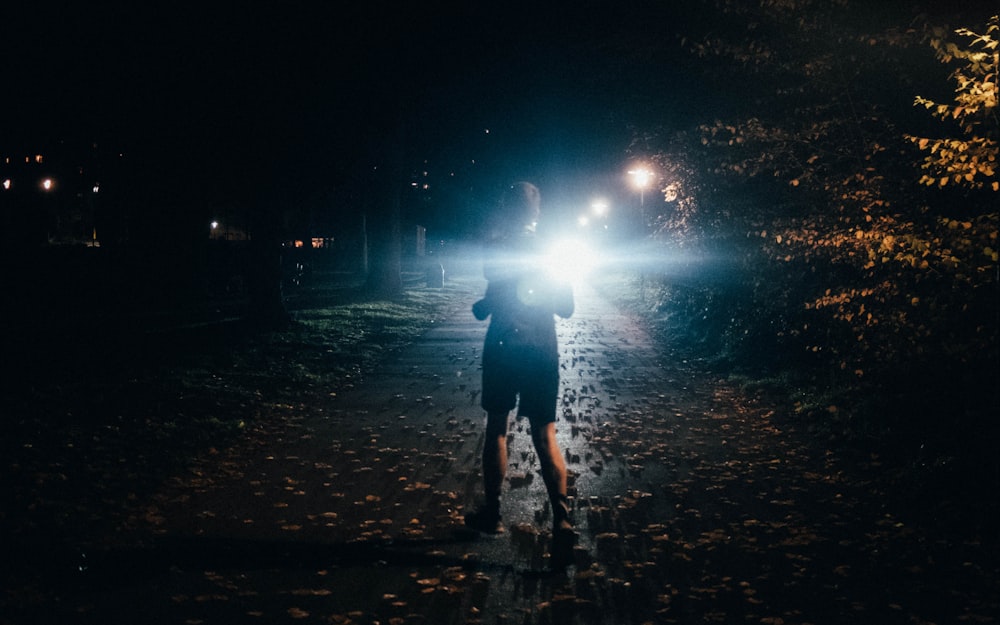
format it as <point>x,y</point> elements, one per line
<point>253,88</point>
<point>259,92</point>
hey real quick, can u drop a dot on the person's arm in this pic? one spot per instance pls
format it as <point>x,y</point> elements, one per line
<point>484,307</point>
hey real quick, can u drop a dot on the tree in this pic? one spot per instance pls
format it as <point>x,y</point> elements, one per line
<point>970,160</point>
<point>383,232</point>
<point>839,259</point>
<point>382,204</point>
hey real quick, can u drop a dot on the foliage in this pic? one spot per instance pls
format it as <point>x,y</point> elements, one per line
<point>970,160</point>
<point>839,263</point>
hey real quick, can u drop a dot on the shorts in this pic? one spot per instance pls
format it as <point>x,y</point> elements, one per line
<point>524,379</point>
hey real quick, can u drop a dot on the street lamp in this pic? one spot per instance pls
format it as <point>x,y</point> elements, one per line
<point>641,178</point>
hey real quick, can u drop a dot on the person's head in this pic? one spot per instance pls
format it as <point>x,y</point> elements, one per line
<point>520,206</point>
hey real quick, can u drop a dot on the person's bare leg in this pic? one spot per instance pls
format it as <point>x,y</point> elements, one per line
<point>495,457</point>
<point>553,469</point>
<point>487,518</point>
<point>554,474</point>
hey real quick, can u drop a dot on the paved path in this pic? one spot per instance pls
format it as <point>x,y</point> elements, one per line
<point>693,505</point>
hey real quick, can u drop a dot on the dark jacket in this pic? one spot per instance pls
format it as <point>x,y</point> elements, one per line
<point>522,298</point>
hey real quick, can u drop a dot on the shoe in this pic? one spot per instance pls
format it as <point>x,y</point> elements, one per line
<point>484,520</point>
<point>564,539</point>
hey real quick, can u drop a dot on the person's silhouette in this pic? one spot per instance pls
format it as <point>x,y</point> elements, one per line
<point>521,361</point>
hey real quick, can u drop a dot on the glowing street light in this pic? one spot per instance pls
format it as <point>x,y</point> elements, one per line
<point>48,184</point>
<point>641,177</point>
<point>599,208</point>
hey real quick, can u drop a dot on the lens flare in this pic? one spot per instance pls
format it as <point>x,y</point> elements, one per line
<point>570,260</point>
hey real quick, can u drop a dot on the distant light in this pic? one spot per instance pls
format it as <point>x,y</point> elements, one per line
<point>48,184</point>
<point>600,207</point>
<point>641,177</point>
<point>214,225</point>
<point>97,187</point>
<point>7,184</point>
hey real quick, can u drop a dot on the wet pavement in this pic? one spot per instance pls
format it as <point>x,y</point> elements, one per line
<point>693,504</point>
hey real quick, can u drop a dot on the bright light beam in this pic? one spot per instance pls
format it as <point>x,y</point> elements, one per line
<point>569,260</point>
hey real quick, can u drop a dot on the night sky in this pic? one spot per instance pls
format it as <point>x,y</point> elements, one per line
<point>296,97</point>
<point>304,91</point>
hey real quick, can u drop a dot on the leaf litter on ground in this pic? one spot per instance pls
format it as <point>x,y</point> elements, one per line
<point>83,444</point>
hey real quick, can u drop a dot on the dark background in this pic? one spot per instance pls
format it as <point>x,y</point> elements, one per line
<point>225,101</point>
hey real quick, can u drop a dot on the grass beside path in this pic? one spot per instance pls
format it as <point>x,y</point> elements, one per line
<point>86,438</point>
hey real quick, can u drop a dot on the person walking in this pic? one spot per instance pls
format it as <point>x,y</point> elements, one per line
<point>521,361</point>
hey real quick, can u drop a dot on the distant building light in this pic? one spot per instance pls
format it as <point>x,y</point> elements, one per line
<point>97,187</point>
<point>38,158</point>
<point>7,184</point>
<point>214,225</point>
<point>48,184</point>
